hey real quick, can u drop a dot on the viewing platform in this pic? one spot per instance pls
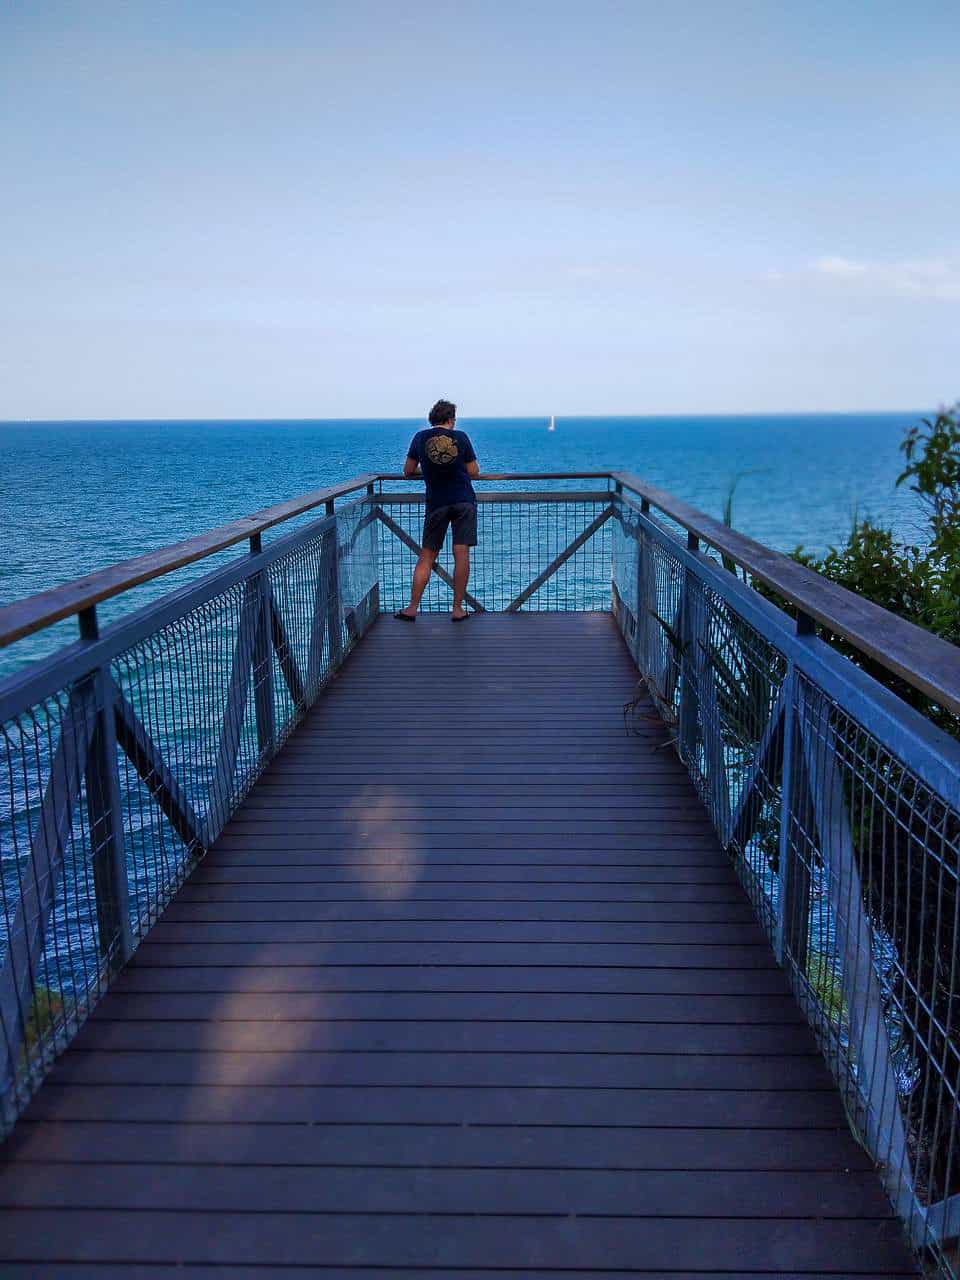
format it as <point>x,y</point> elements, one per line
<point>611,932</point>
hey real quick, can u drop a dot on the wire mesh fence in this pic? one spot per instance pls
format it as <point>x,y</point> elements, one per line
<point>850,856</point>
<point>518,540</point>
<point>112,786</point>
<point>873,948</point>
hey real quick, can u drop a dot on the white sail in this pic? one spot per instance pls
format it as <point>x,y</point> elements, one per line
<point>552,426</point>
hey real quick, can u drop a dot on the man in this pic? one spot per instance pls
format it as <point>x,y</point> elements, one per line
<point>445,458</point>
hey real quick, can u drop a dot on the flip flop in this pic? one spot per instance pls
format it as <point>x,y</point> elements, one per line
<point>405,617</point>
<point>463,619</point>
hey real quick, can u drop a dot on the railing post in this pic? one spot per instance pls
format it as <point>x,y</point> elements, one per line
<point>375,550</point>
<point>793,898</point>
<point>330,574</point>
<point>644,606</point>
<point>870,1063</point>
<point>793,921</point>
<point>619,607</point>
<point>688,667</point>
<point>105,814</point>
<point>640,633</point>
<point>263,660</point>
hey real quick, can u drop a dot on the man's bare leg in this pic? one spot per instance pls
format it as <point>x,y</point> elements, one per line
<point>421,576</point>
<point>461,576</point>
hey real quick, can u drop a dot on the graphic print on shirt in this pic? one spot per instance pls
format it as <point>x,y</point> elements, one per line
<point>441,450</point>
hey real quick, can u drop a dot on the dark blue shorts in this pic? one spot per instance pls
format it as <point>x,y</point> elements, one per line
<point>463,517</point>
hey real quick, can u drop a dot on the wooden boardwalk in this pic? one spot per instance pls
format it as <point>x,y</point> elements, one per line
<point>467,988</point>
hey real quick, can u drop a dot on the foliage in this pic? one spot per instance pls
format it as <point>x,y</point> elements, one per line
<point>933,464</point>
<point>902,835</point>
<point>917,581</point>
<point>828,989</point>
<point>46,1012</point>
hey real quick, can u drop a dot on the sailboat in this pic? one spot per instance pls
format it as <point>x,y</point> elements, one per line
<point>553,424</point>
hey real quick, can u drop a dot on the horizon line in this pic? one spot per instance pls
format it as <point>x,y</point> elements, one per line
<point>478,417</point>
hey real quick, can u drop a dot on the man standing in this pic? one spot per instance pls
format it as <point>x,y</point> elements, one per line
<point>445,458</point>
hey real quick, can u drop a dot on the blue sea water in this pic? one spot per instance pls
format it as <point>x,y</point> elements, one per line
<point>75,496</point>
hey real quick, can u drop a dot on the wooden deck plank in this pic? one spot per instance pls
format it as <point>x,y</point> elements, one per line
<point>437,1146</point>
<point>218,910</point>
<point>397,1068</point>
<point>152,1271</point>
<point>572,934</point>
<point>488,1001</point>
<point>452,1240</point>
<point>528,1104</point>
<point>508,899</point>
<point>374,1189</point>
<point>352,1034</point>
<point>497,980</point>
<point>532,876</point>
<point>417,954</point>
<point>552,1008</point>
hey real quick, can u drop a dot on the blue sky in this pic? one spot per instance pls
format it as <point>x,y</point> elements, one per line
<point>347,209</point>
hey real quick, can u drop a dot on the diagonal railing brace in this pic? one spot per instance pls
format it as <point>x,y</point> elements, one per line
<point>745,816</point>
<point>144,755</point>
<point>38,885</point>
<point>441,573</point>
<point>560,560</point>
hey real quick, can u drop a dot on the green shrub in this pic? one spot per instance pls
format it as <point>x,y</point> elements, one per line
<point>47,1010</point>
<point>917,581</point>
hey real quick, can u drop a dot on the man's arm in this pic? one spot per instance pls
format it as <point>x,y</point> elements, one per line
<point>470,458</point>
<point>411,465</point>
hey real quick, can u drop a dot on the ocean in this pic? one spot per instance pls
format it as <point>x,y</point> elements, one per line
<point>75,496</point>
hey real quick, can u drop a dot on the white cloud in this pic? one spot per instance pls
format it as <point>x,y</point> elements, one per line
<point>839,267</point>
<point>936,278</point>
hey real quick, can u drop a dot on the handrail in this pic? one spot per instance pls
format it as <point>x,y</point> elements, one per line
<point>524,475</point>
<point>33,613</point>
<point>925,661</point>
<point>920,658</point>
<point>839,807</point>
<point>407,496</point>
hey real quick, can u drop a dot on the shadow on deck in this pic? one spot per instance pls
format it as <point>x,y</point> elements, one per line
<point>466,987</point>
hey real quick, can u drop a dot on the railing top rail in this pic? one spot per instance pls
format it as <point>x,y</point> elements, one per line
<point>526,475</point>
<point>922,659</point>
<point>33,613</point>
<point>388,497</point>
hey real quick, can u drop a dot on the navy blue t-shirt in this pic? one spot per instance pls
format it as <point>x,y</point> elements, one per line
<point>442,455</point>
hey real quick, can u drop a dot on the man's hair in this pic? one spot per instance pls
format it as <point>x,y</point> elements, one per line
<point>443,411</point>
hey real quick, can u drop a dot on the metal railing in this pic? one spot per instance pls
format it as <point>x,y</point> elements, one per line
<point>536,551</point>
<point>124,755</point>
<point>840,807</point>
